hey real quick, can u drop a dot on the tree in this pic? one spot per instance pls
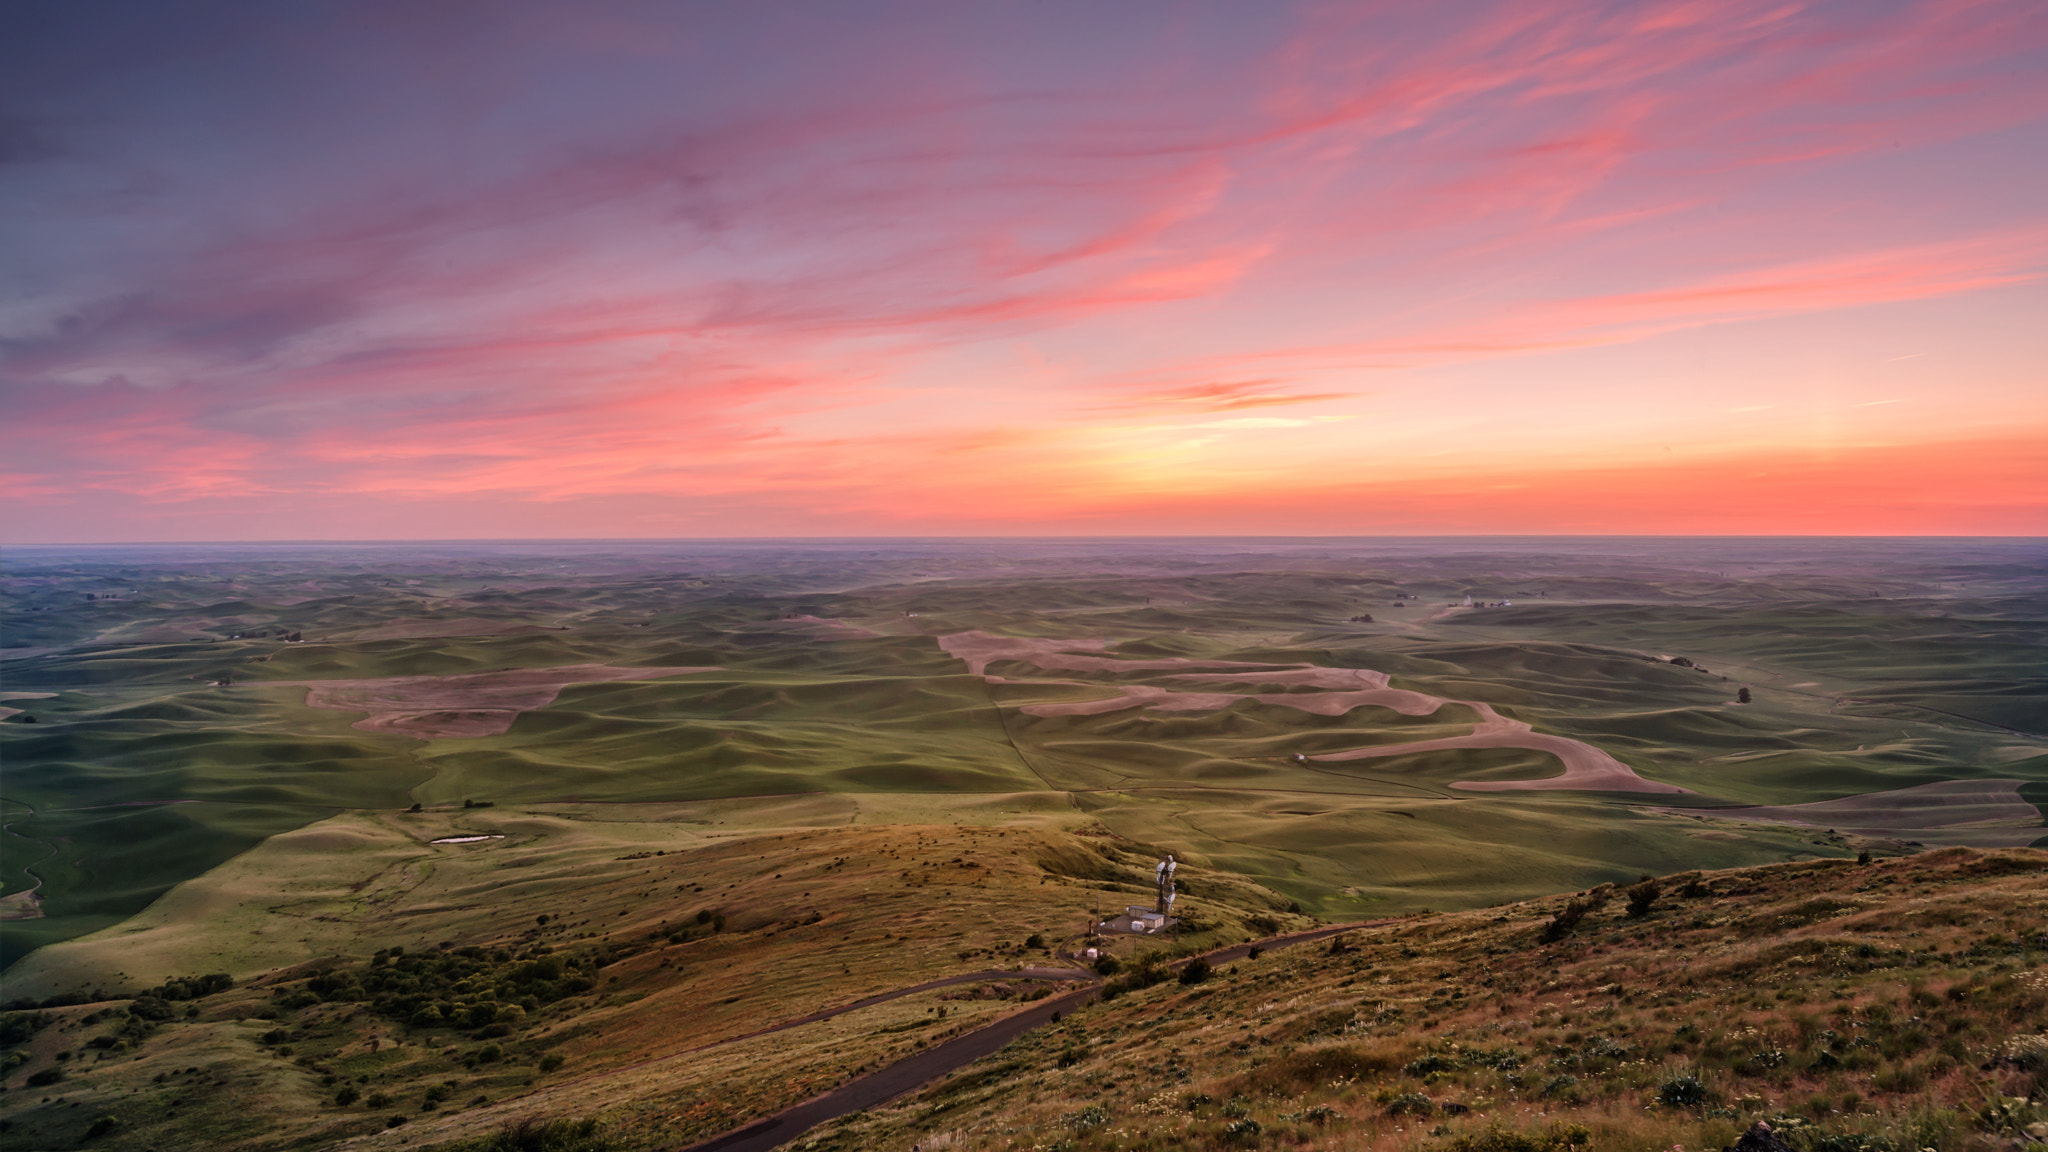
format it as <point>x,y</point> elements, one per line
<point>1742,696</point>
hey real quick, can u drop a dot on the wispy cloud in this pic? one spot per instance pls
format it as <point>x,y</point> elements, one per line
<point>624,255</point>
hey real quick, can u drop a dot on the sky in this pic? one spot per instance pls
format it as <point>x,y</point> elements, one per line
<point>371,270</point>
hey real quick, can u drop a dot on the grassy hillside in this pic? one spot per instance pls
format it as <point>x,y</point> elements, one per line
<point>1890,1005</point>
<point>1886,1005</point>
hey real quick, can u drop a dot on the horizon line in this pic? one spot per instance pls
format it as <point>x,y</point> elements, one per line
<point>1304,537</point>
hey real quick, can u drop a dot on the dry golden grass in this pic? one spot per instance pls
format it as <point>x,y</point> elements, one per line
<point>1872,1007</point>
<point>698,938</point>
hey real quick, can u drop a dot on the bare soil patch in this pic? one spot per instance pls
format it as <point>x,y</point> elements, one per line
<point>23,905</point>
<point>478,704</point>
<point>1585,767</point>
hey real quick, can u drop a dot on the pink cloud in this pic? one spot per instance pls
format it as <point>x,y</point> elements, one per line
<point>794,292</point>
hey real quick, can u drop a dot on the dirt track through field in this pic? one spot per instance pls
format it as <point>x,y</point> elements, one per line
<point>1586,768</point>
<point>941,1060</point>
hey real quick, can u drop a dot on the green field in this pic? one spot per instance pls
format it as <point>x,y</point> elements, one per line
<point>1874,666</point>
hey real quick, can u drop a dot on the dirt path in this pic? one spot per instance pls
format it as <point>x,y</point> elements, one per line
<point>940,1060</point>
<point>1585,767</point>
<point>26,904</point>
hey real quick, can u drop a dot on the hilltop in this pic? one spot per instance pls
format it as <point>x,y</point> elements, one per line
<point>1883,1006</point>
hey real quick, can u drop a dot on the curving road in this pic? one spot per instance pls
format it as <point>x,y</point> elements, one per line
<point>915,1071</point>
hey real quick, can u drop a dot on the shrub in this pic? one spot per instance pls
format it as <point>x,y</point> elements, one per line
<point>1195,971</point>
<point>1093,1116</point>
<point>556,1135</point>
<point>1304,1067</point>
<point>1434,1062</point>
<point>16,1027</point>
<point>1035,941</point>
<point>1410,1104</point>
<point>1642,896</point>
<point>45,1078</point>
<point>1108,966</point>
<point>101,1127</point>
<point>1682,1092</point>
<point>1243,1131</point>
<point>1558,1137</point>
<point>550,1062</point>
<point>1849,1142</point>
<point>1566,921</point>
<point>348,1095</point>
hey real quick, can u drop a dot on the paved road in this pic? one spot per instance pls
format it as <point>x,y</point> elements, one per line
<point>990,976</point>
<point>915,1071</point>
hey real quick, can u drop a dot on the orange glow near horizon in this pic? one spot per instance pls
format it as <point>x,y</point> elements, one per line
<point>1555,267</point>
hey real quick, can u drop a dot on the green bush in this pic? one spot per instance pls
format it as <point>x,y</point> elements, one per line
<point>1682,1092</point>
<point>1558,1137</point>
<point>1410,1104</point>
<point>546,1136</point>
<point>1566,921</point>
<point>1642,896</point>
<point>1093,1116</point>
<point>1195,971</point>
<point>16,1027</point>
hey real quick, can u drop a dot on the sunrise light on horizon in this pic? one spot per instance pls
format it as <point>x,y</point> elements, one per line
<point>382,271</point>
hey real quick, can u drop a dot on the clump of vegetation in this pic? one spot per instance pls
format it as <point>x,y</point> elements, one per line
<point>1566,921</point>
<point>1557,1137</point>
<point>464,988</point>
<point>1682,1092</point>
<point>1410,1104</point>
<point>555,1135</point>
<point>1195,971</point>
<point>1642,896</point>
<point>18,1027</point>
